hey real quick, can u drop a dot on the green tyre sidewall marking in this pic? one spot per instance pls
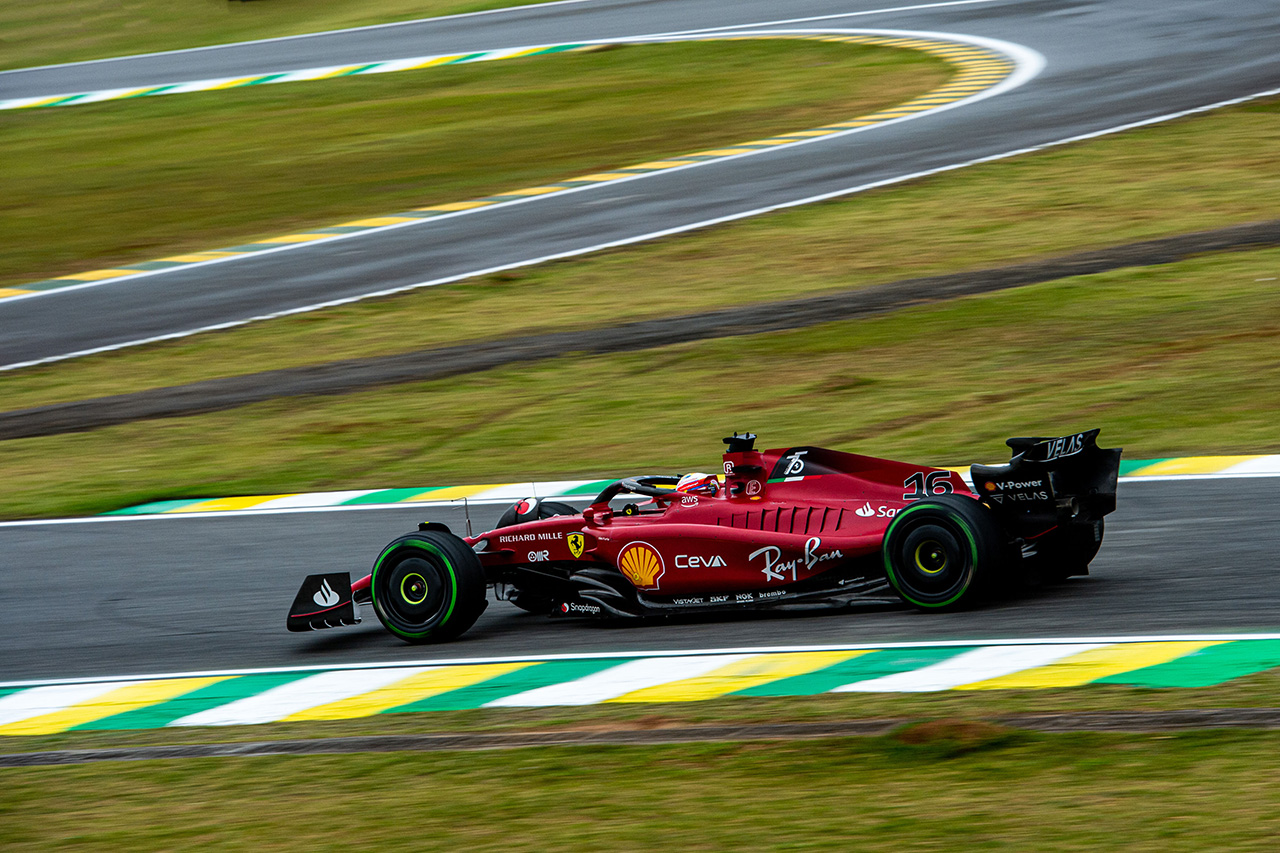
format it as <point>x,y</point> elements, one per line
<point>973,554</point>
<point>453,585</point>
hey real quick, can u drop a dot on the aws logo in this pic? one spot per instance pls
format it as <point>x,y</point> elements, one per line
<point>641,565</point>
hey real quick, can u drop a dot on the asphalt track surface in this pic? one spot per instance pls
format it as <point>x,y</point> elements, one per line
<point>1108,64</point>
<point>147,596</point>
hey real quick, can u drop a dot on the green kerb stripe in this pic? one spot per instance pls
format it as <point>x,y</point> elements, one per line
<point>1205,668</point>
<point>588,488</point>
<point>199,700</point>
<point>155,506</point>
<point>5,691</point>
<point>467,58</point>
<point>385,496</point>
<point>528,678</point>
<point>359,70</point>
<point>267,78</point>
<point>861,668</point>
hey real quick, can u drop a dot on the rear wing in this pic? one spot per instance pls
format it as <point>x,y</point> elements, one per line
<point>1062,479</point>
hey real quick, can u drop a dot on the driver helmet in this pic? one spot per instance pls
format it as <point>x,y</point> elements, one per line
<point>698,483</point>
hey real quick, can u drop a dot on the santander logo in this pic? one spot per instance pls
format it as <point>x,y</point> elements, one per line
<point>865,511</point>
<point>325,596</point>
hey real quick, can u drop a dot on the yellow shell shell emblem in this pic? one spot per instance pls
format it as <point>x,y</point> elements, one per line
<point>577,544</point>
<point>641,564</point>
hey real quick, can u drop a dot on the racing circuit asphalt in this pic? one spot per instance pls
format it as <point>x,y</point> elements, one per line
<point>179,594</point>
<point>147,596</point>
<point>1108,63</point>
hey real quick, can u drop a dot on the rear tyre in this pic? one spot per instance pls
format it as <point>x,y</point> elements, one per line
<point>428,587</point>
<point>942,553</point>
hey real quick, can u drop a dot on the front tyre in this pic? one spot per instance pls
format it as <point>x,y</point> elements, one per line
<point>941,552</point>
<point>428,587</point>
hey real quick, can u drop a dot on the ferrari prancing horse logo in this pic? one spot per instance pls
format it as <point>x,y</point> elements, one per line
<point>577,544</point>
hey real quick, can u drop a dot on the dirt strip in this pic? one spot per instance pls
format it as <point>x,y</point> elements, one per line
<point>341,377</point>
<point>1133,722</point>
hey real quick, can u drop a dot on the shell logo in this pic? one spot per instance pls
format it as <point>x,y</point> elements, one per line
<point>641,564</point>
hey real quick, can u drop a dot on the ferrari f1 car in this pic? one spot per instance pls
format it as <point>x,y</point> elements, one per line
<point>800,525</point>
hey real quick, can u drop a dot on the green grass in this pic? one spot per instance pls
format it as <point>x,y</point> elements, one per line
<point>1196,174</point>
<point>142,179</point>
<point>1168,360</point>
<point>942,787</point>
<point>70,30</point>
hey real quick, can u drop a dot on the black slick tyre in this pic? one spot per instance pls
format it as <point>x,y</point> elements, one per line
<point>942,553</point>
<point>428,587</point>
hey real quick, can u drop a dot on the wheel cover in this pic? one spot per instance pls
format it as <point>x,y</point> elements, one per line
<point>414,589</point>
<point>930,559</point>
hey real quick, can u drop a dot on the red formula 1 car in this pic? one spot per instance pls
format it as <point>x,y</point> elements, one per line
<point>798,525</point>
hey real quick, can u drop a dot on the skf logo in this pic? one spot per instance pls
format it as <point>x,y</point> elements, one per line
<point>577,544</point>
<point>641,565</point>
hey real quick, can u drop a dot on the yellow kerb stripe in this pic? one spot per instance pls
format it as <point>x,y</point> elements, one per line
<point>439,60</point>
<point>456,205</point>
<point>378,220</point>
<point>127,698</point>
<point>230,84</point>
<point>227,504</point>
<point>453,492</point>
<point>10,291</point>
<point>294,238</point>
<point>196,257</point>
<point>1089,666</point>
<point>664,164</point>
<point>534,191</point>
<point>740,675</point>
<point>1192,465</point>
<point>96,275</point>
<point>602,176</point>
<point>411,689</point>
<point>722,152</point>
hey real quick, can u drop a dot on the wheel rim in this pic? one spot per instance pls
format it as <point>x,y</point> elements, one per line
<point>931,557</point>
<point>930,561</point>
<point>412,594</point>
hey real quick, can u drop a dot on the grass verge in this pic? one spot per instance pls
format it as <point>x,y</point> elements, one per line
<point>137,180</point>
<point>71,30</point>
<point>950,786</point>
<point>1160,181</point>
<point>1169,360</point>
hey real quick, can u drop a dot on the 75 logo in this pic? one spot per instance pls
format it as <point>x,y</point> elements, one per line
<point>921,485</point>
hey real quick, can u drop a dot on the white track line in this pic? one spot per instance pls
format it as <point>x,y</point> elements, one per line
<point>227,45</point>
<point>671,653</point>
<point>653,235</point>
<point>1028,63</point>
<point>507,9</point>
